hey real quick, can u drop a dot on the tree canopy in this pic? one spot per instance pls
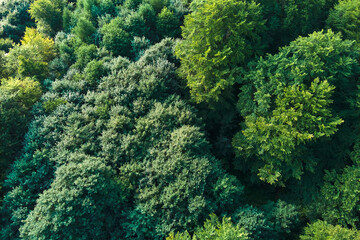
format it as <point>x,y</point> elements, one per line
<point>179,119</point>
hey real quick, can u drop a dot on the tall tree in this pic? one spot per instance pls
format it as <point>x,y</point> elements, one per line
<point>48,15</point>
<point>16,100</point>
<point>294,98</point>
<point>84,202</point>
<point>15,18</point>
<point>345,18</point>
<point>218,37</point>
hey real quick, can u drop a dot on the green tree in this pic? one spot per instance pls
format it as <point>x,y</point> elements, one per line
<point>218,37</point>
<point>300,115</point>
<point>286,20</point>
<point>292,99</point>
<point>115,39</point>
<point>84,202</point>
<point>345,18</point>
<point>17,98</point>
<point>33,171</point>
<point>167,24</point>
<point>31,58</point>
<point>15,18</point>
<point>6,44</point>
<point>321,230</point>
<point>48,15</point>
<point>93,72</point>
<point>340,197</point>
<point>139,45</point>
<point>149,15</point>
<point>133,124</point>
<point>34,55</point>
<point>84,29</point>
<point>274,220</point>
<point>42,46</point>
<point>85,54</point>
<point>214,230</point>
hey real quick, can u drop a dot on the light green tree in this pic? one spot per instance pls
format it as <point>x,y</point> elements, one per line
<point>292,99</point>
<point>218,37</point>
<point>213,229</point>
<point>321,230</point>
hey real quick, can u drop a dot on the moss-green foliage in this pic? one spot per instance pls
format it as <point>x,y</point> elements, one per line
<point>83,202</point>
<point>213,229</point>
<point>15,18</point>
<point>6,44</point>
<point>16,99</point>
<point>85,30</point>
<point>340,197</point>
<point>218,37</point>
<point>345,18</point>
<point>287,102</point>
<point>47,15</point>
<point>115,38</point>
<point>51,105</point>
<point>274,220</point>
<point>321,230</point>
<point>140,128</point>
<point>106,134</point>
<point>32,57</point>
<point>167,24</point>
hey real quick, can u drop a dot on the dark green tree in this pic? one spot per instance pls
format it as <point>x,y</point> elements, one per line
<point>286,20</point>
<point>17,98</point>
<point>83,202</point>
<point>134,124</point>
<point>85,30</point>
<point>6,44</point>
<point>274,220</point>
<point>33,171</point>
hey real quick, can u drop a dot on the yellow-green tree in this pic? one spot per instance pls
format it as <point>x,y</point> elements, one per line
<point>32,57</point>
<point>321,230</point>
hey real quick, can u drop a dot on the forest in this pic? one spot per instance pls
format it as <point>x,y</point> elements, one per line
<point>180,119</point>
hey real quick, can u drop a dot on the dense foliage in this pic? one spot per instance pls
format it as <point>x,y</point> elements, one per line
<point>179,119</point>
<point>219,37</point>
